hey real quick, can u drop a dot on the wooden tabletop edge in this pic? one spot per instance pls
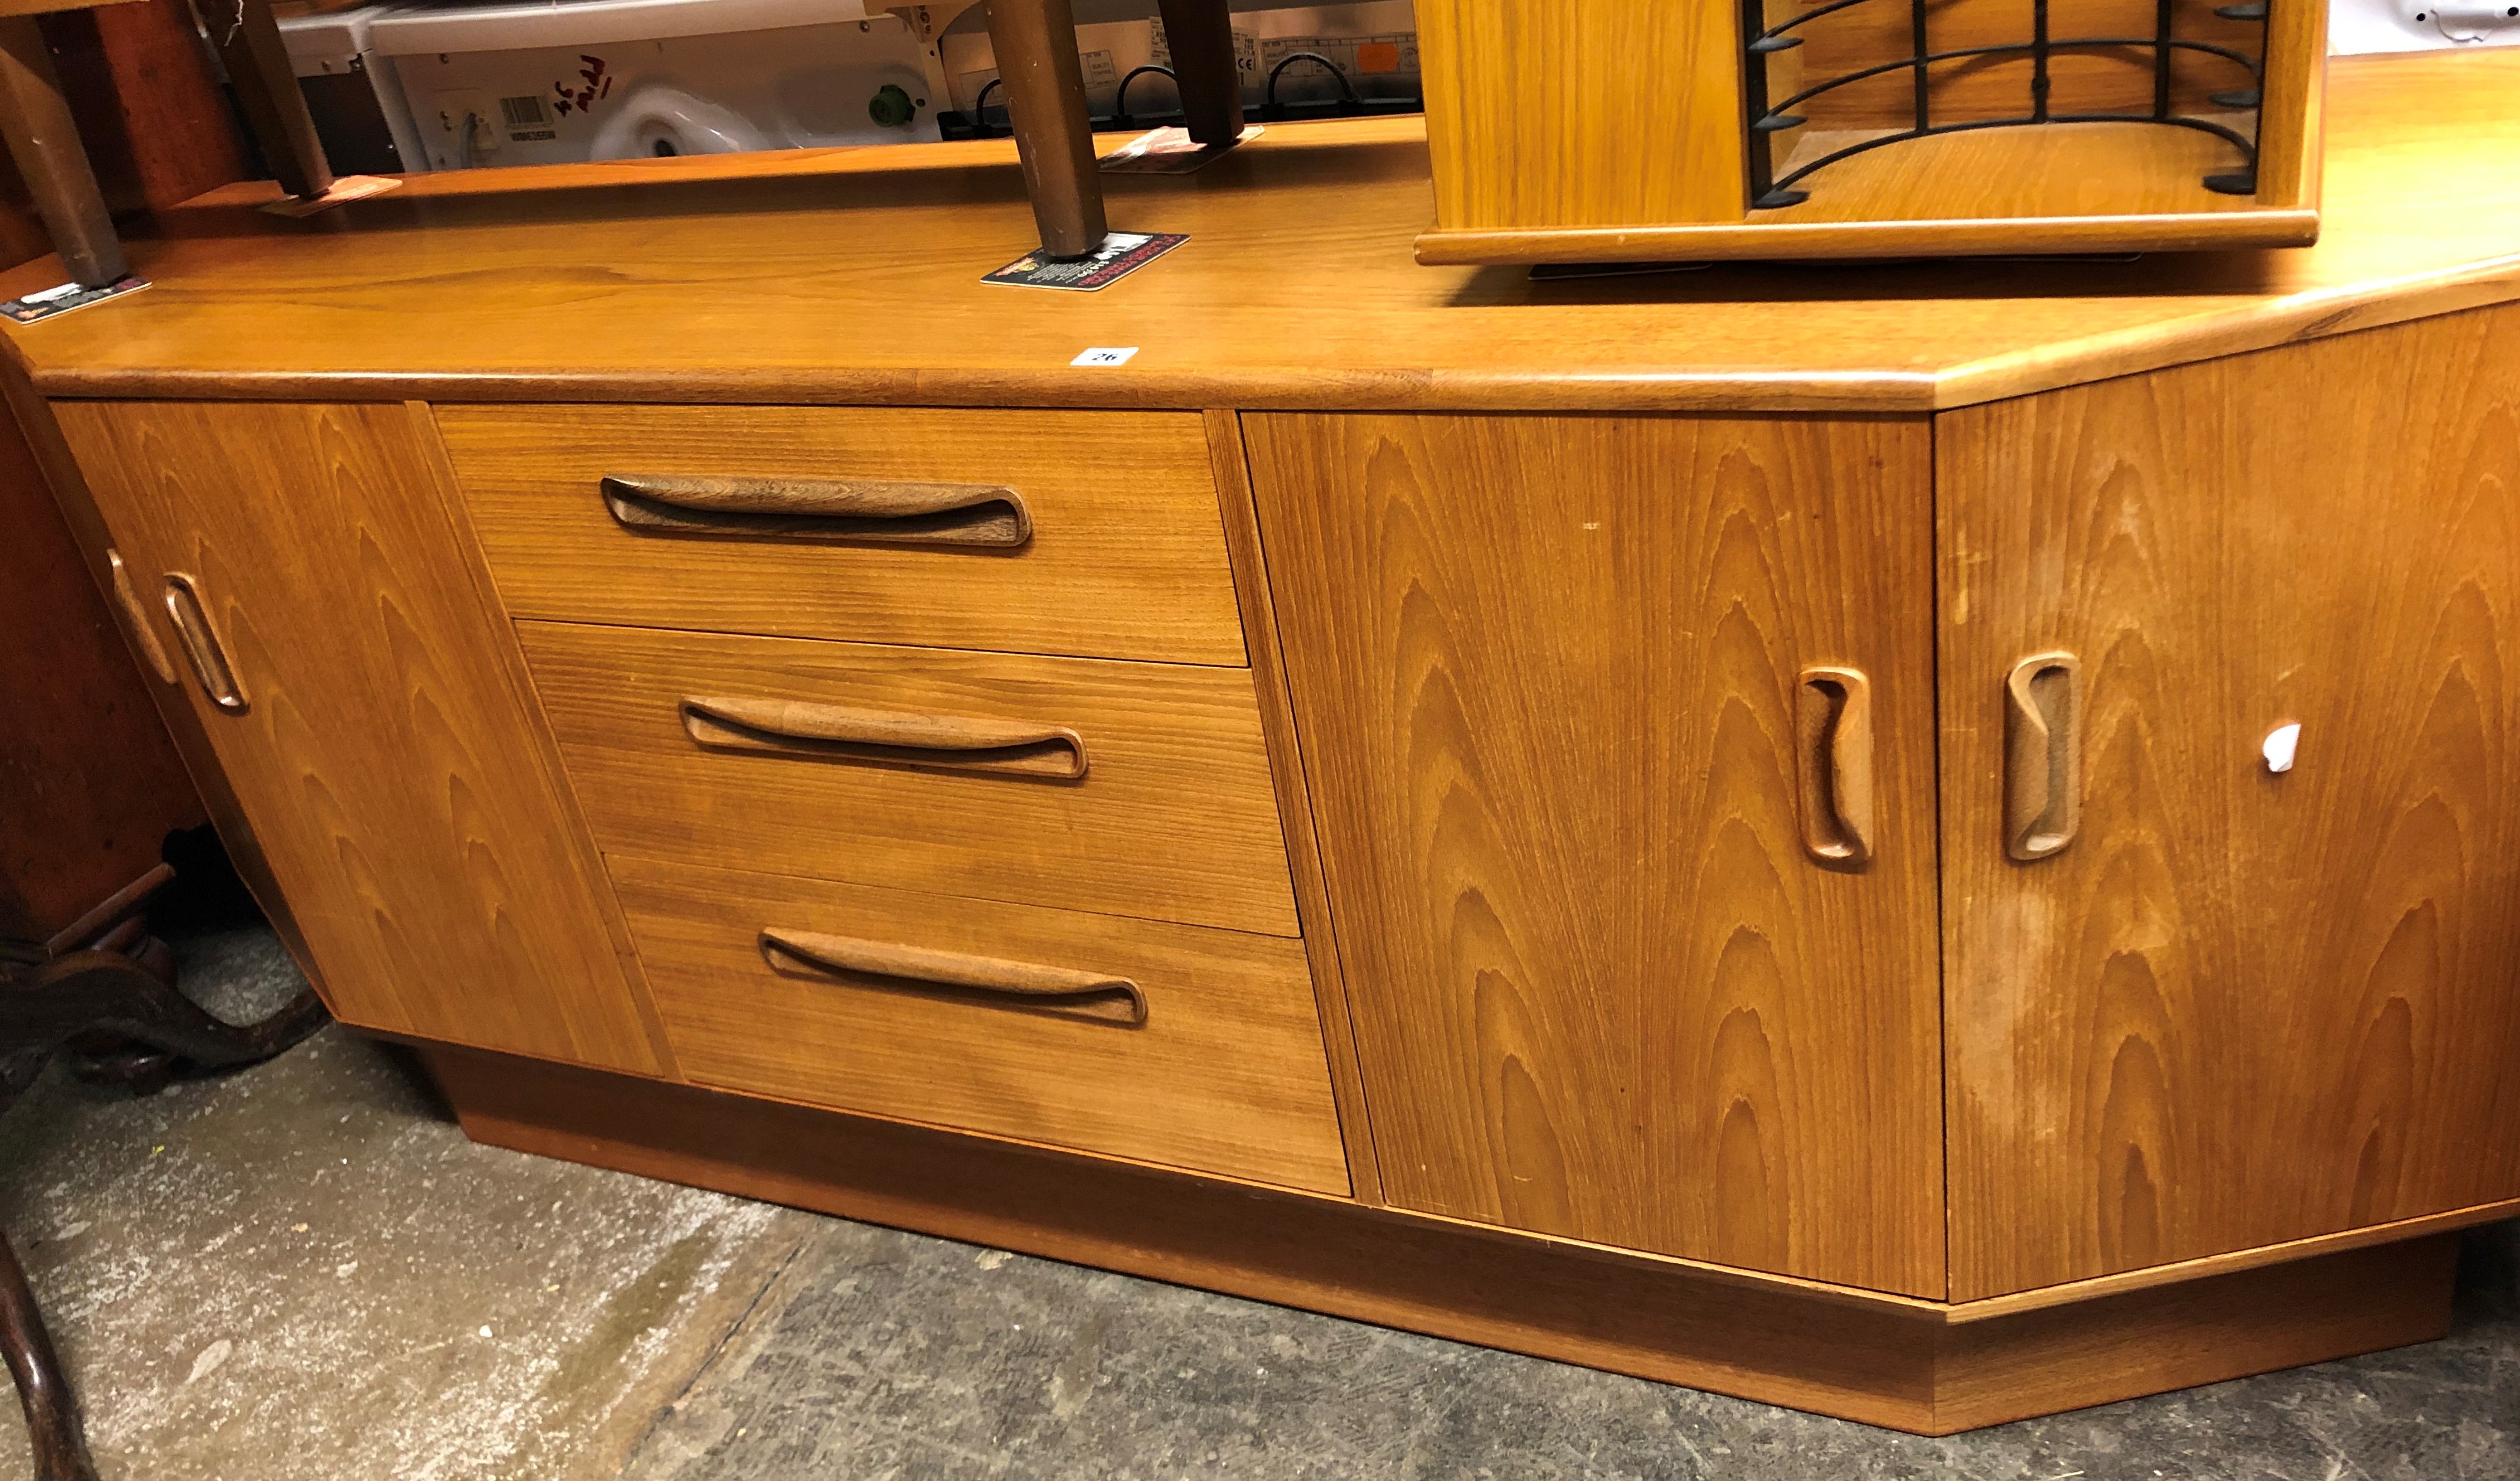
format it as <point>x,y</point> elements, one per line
<point>2236,327</point>
<point>1641,390</point>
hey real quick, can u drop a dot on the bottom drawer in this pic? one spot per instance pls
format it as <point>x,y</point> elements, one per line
<point>1180,1044</point>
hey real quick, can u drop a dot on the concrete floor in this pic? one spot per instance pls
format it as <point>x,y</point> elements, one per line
<point>303,1271</point>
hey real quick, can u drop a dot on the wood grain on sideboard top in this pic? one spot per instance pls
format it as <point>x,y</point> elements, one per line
<point>854,276</point>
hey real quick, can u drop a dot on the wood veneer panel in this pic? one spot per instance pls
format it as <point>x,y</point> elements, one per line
<point>2208,227</point>
<point>1533,111</point>
<point>1226,1074</point>
<point>1126,559</point>
<point>2241,1008</point>
<point>384,754</point>
<point>35,419</point>
<point>89,783</point>
<point>1174,818</point>
<point>2291,127</point>
<point>1546,675</point>
<point>1294,795</point>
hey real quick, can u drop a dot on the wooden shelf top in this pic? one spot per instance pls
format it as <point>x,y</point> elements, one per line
<point>854,276</point>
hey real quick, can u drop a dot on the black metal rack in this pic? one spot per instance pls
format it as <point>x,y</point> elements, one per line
<point>977,125</point>
<point>1763,120</point>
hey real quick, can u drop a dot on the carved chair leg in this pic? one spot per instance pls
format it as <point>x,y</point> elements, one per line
<point>68,999</point>
<point>106,992</point>
<point>52,1417</point>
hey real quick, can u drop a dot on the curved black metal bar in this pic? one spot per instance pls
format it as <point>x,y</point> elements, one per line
<point>2247,149</point>
<point>1120,97</point>
<point>1347,89</point>
<point>2022,48</point>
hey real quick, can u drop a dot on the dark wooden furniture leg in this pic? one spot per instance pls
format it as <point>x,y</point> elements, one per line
<point>82,996</point>
<point>45,144</point>
<point>257,61</point>
<point>1035,41</point>
<point>1200,35</point>
<point>93,993</point>
<point>52,1418</point>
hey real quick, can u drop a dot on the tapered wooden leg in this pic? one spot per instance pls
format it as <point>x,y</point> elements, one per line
<point>45,143</point>
<point>1200,35</point>
<point>1035,41</point>
<point>51,1417</point>
<point>257,61</point>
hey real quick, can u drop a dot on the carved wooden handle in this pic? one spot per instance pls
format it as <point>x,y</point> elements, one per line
<point>1060,989</point>
<point>793,727</point>
<point>143,636</point>
<point>979,515</point>
<point>202,645</point>
<point>1836,732</point>
<point>2043,756</point>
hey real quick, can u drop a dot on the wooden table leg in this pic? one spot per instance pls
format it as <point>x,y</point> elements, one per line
<point>1200,35</point>
<point>257,61</point>
<point>52,1417</point>
<point>45,143</point>
<point>1035,41</point>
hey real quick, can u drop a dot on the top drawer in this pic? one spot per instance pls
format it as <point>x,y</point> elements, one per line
<point>1125,557</point>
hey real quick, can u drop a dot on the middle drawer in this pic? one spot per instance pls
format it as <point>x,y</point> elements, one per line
<point>1092,784</point>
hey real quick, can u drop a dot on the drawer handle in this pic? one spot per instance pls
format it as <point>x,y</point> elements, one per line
<point>2043,756</point>
<point>793,728</point>
<point>1059,989</point>
<point>1836,717</point>
<point>978,516</point>
<point>143,636</point>
<point>202,645</point>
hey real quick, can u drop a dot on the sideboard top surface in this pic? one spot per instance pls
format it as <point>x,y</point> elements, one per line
<point>854,276</point>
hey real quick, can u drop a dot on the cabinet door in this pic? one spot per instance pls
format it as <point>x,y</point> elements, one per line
<point>2240,1006</point>
<point>1548,676</point>
<point>380,746</point>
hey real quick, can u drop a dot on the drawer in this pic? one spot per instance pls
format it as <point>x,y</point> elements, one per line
<point>924,769</point>
<point>730,525</point>
<point>1196,1049</point>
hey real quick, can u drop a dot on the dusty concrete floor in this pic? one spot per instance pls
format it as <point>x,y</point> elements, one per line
<point>303,1271</point>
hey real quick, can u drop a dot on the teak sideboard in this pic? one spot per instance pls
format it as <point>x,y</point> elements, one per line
<point>1716,825</point>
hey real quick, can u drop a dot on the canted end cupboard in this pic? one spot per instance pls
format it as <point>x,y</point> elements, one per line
<point>1932,843</point>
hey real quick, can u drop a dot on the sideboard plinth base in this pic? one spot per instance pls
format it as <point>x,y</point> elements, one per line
<point>1907,1364</point>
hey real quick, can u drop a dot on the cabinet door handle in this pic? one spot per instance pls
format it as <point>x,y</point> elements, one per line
<point>143,636</point>
<point>202,645</point>
<point>2043,756</point>
<point>1060,989</point>
<point>943,742</point>
<point>978,516</point>
<point>1836,732</point>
